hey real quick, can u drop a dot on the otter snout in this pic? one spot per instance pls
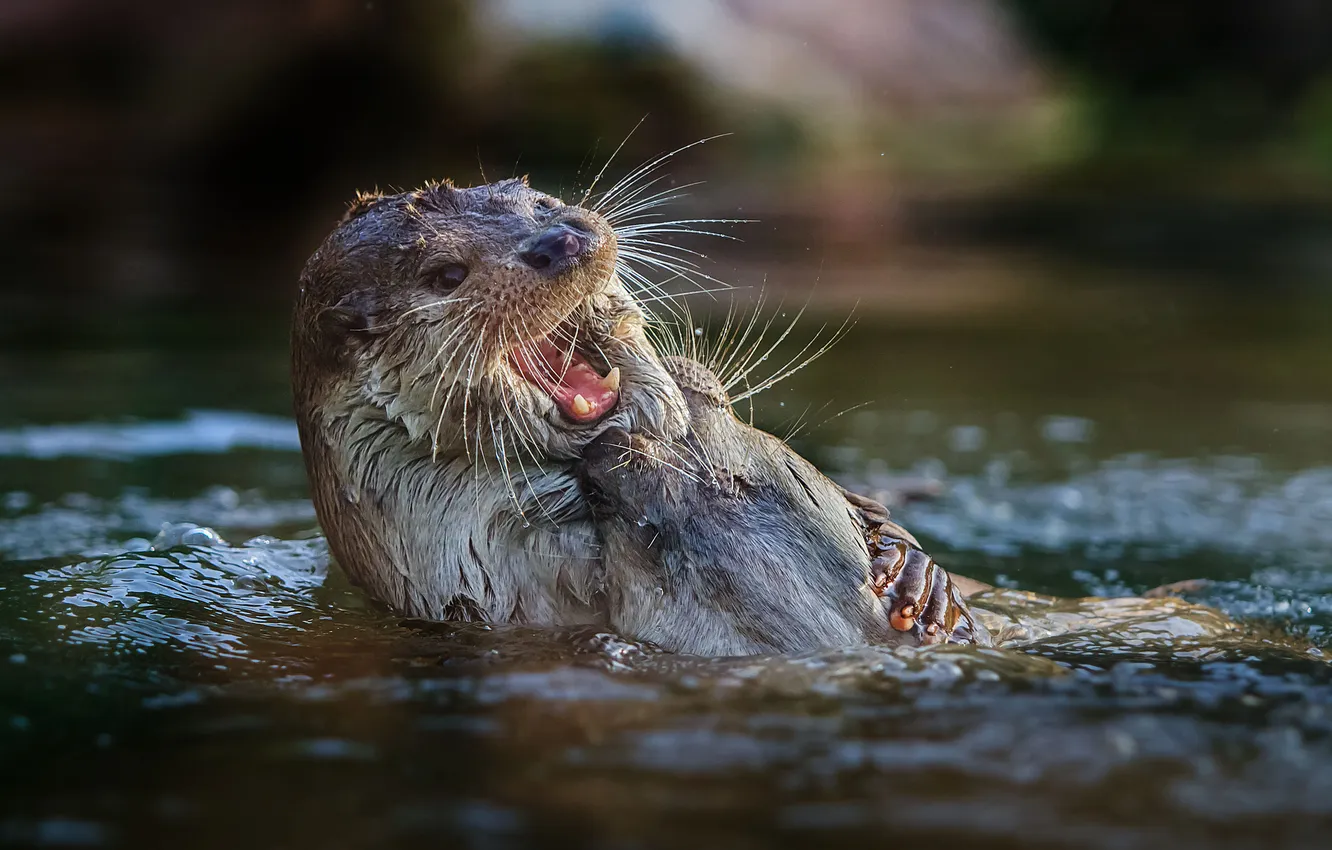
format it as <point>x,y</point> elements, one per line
<point>556,245</point>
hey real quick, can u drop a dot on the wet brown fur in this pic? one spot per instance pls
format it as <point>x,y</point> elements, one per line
<point>439,474</point>
<point>727,542</point>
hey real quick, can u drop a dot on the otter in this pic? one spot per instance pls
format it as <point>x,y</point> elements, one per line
<point>453,350</point>
<point>454,353</point>
<point>727,542</point>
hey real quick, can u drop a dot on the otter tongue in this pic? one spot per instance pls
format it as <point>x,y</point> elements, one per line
<point>578,391</point>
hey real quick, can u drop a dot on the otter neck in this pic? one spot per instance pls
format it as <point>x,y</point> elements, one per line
<point>443,539</point>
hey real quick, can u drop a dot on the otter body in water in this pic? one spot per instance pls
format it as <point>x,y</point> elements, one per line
<point>453,353</point>
<point>453,350</point>
<point>726,542</point>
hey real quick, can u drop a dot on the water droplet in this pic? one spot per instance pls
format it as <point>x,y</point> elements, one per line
<point>642,522</point>
<point>698,332</point>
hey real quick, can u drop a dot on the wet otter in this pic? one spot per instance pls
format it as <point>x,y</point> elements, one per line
<point>726,542</point>
<point>452,351</point>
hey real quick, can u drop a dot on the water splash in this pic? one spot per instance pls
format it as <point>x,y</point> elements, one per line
<point>88,527</point>
<point>188,589</point>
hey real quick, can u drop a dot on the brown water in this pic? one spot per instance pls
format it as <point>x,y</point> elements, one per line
<point>179,664</point>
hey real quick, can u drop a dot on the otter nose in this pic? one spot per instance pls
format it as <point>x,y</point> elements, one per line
<point>558,243</point>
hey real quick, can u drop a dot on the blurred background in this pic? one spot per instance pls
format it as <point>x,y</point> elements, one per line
<point>157,150</point>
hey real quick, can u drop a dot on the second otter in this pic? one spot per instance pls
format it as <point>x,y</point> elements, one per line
<point>726,542</point>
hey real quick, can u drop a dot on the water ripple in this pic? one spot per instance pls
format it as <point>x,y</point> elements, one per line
<point>88,527</point>
<point>1137,504</point>
<point>201,432</point>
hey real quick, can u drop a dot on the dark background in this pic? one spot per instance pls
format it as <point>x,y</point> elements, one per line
<point>158,150</point>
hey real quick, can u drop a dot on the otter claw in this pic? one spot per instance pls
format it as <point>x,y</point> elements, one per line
<point>919,594</point>
<point>903,618</point>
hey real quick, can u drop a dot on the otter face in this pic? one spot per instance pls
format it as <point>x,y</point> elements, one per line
<point>488,321</point>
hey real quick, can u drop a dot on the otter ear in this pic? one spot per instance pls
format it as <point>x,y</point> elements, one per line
<point>437,196</point>
<point>341,327</point>
<point>362,204</point>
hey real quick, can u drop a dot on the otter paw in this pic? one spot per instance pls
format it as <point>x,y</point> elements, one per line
<point>919,595</point>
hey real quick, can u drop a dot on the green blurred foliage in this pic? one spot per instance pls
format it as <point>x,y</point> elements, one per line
<point>1228,81</point>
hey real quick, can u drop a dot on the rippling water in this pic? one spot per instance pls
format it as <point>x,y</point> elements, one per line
<point>180,663</point>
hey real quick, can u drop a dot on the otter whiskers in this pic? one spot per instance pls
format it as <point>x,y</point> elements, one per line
<point>522,435</point>
<point>654,458</point>
<point>743,346</point>
<point>807,354</point>
<point>640,209</point>
<point>628,207</point>
<point>444,364</point>
<point>587,194</point>
<point>628,182</point>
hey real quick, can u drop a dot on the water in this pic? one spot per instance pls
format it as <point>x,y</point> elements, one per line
<point>180,663</point>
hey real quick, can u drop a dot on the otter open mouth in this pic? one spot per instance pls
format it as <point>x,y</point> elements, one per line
<point>581,392</point>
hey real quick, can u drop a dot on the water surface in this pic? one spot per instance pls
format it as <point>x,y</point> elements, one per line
<point>179,662</point>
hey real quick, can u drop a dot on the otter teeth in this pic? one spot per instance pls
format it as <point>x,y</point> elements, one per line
<point>581,406</point>
<point>612,380</point>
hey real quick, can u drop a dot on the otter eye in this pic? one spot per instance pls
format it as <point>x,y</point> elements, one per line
<point>449,276</point>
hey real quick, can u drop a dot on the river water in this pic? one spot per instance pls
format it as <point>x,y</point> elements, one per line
<point>180,664</point>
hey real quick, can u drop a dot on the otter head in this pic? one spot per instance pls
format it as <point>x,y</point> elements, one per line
<point>488,321</point>
<point>452,351</point>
